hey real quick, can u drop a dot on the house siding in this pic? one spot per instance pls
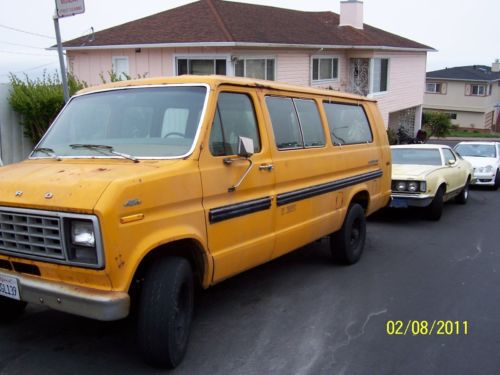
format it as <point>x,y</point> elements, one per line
<point>406,77</point>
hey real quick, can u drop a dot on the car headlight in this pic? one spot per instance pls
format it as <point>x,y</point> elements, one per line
<point>82,233</point>
<point>401,186</point>
<point>81,242</point>
<point>488,169</point>
<point>412,186</point>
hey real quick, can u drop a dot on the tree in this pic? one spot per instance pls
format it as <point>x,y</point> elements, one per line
<point>38,101</point>
<point>437,124</point>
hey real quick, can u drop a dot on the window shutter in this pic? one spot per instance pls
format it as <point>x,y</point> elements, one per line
<point>443,88</point>
<point>467,89</point>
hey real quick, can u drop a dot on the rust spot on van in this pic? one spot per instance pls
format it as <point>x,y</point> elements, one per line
<point>119,261</point>
<point>102,169</point>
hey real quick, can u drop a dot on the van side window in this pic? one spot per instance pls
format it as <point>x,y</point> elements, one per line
<point>296,122</point>
<point>310,122</point>
<point>348,124</point>
<point>285,124</point>
<point>234,118</point>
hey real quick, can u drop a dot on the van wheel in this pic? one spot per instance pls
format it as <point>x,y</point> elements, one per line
<point>348,243</point>
<point>435,209</point>
<point>464,194</point>
<point>166,311</point>
<point>10,309</point>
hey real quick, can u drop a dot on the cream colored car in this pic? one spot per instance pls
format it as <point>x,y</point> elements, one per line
<point>428,175</point>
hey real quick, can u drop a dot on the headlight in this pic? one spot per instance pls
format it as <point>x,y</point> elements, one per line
<point>412,186</point>
<point>81,242</point>
<point>488,169</point>
<point>82,233</point>
<point>401,186</point>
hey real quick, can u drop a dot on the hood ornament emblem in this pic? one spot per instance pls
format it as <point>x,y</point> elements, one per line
<point>48,195</point>
<point>19,193</point>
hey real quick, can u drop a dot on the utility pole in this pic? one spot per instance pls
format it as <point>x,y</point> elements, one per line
<point>65,8</point>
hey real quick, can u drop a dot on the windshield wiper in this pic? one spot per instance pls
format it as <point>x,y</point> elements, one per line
<point>47,151</point>
<point>104,149</point>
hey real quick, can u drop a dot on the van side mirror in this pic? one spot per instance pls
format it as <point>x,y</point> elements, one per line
<point>245,147</point>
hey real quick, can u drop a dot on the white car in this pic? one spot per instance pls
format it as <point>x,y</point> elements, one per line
<point>485,159</point>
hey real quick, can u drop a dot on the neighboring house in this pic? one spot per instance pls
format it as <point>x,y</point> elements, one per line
<point>470,94</point>
<point>321,49</point>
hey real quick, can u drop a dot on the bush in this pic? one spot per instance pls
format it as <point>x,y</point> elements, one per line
<point>392,137</point>
<point>437,124</point>
<point>39,101</point>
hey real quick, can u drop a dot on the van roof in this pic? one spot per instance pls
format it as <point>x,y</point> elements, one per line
<point>217,80</point>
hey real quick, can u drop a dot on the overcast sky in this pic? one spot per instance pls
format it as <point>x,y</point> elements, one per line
<point>464,32</point>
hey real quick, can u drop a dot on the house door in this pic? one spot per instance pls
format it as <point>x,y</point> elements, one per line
<point>239,219</point>
<point>359,72</point>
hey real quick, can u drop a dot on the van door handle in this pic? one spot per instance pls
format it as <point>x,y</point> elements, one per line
<point>266,167</point>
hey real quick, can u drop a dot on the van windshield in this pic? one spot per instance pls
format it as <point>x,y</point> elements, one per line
<point>141,122</point>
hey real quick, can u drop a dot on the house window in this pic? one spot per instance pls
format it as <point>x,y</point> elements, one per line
<point>380,74</point>
<point>120,66</point>
<point>201,66</point>
<point>478,90</point>
<point>325,68</point>
<point>255,68</point>
<point>434,88</point>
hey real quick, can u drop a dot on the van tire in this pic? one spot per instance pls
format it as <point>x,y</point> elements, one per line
<point>464,193</point>
<point>10,309</point>
<point>166,312</point>
<point>348,243</point>
<point>435,209</point>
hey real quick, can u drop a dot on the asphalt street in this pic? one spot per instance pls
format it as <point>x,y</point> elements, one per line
<point>304,314</point>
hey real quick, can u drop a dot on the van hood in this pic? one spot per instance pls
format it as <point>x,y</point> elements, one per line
<point>74,185</point>
<point>411,171</point>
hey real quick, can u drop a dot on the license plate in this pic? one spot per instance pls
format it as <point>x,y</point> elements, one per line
<point>399,203</point>
<point>9,287</point>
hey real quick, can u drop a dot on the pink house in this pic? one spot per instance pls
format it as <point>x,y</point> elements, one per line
<point>321,49</point>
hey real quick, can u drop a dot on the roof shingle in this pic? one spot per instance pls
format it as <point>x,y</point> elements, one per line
<point>218,21</point>
<point>466,73</point>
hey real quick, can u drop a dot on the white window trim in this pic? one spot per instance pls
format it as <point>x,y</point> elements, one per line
<point>229,66</point>
<point>371,77</point>
<point>478,85</point>
<point>253,57</point>
<point>113,64</point>
<point>323,81</point>
<point>435,88</point>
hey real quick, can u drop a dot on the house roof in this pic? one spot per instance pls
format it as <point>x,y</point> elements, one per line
<point>218,22</point>
<point>465,73</point>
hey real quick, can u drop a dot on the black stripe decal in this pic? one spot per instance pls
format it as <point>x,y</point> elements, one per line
<point>297,195</point>
<point>239,209</point>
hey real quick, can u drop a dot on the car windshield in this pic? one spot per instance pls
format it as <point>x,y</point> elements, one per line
<point>416,156</point>
<point>478,150</point>
<point>135,122</point>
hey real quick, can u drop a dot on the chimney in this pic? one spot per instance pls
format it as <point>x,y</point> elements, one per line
<point>495,67</point>
<point>351,13</point>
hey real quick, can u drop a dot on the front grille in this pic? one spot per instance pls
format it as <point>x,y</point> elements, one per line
<point>34,235</point>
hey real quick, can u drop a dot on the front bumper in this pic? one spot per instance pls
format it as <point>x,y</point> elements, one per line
<point>487,179</point>
<point>410,200</point>
<point>77,300</point>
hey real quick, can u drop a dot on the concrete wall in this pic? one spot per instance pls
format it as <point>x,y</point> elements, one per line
<point>14,146</point>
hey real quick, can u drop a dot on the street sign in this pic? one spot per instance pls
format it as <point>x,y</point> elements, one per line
<point>66,8</point>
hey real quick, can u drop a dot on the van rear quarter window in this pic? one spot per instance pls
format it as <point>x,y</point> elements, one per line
<point>347,123</point>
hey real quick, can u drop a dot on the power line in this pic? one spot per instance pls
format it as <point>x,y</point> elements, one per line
<point>29,69</point>
<point>24,53</point>
<point>27,32</point>
<point>20,45</point>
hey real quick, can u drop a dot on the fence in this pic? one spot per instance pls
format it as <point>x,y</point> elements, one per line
<point>14,146</point>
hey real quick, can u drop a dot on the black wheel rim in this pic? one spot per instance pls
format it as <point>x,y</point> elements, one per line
<point>356,233</point>
<point>181,318</point>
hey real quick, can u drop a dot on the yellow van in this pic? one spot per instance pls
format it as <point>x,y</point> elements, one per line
<point>142,190</point>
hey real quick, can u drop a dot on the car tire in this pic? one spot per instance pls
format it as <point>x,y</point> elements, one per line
<point>348,243</point>
<point>166,311</point>
<point>496,185</point>
<point>435,209</point>
<point>464,194</point>
<point>10,309</point>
